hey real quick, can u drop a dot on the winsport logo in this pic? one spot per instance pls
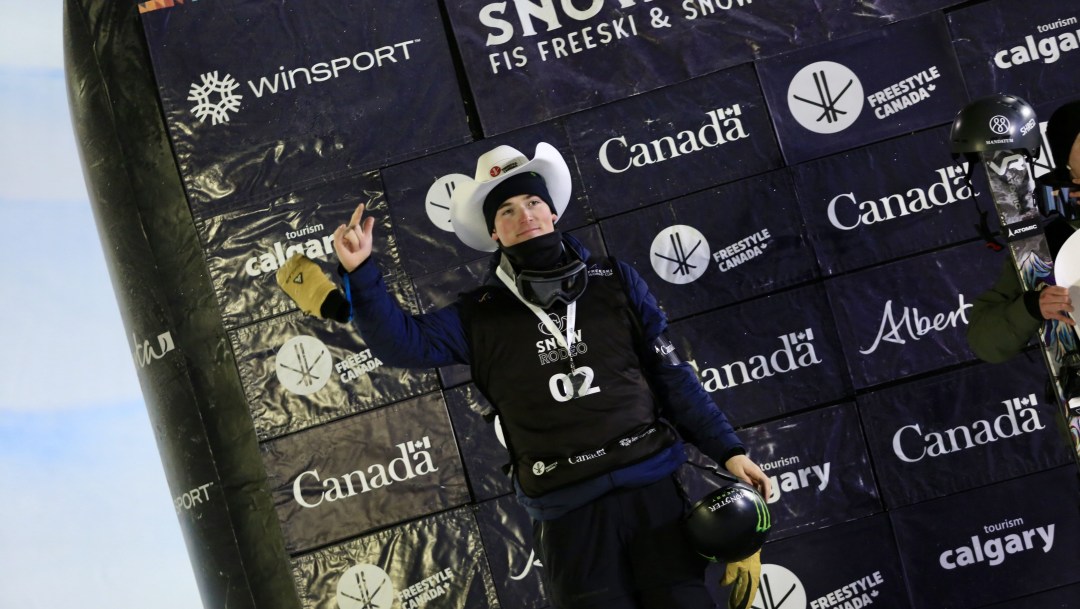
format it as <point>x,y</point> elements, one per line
<point>214,97</point>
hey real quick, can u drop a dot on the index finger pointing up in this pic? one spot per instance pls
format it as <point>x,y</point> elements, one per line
<point>359,213</point>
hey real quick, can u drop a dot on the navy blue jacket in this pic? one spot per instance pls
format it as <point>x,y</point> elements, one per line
<point>438,338</point>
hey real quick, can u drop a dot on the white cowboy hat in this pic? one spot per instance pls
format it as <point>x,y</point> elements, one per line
<point>494,166</point>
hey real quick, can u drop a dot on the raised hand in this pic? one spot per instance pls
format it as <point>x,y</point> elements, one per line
<point>352,242</point>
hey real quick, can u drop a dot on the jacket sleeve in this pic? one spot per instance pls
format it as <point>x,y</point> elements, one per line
<point>681,396</point>
<point>397,338</point>
<point>1002,321</point>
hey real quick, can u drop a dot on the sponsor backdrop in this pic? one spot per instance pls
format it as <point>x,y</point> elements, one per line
<point>778,173</point>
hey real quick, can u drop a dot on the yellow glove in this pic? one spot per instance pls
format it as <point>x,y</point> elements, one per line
<point>745,574</point>
<point>305,283</point>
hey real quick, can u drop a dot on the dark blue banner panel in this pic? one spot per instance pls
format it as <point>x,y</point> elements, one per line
<point>261,96</point>
<point>819,467</point>
<point>847,566</point>
<point>887,201</point>
<point>481,449</point>
<point>507,532</point>
<point>245,248</point>
<point>716,247</point>
<point>365,472</point>
<point>961,430</point>
<point>435,562</point>
<point>299,371</point>
<point>419,196</point>
<point>768,356</point>
<point>994,543</point>
<point>531,61</point>
<point>850,92</point>
<point>1028,49</point>
<point>1058,598</point>
<point>674,141</point>
<point>911,316</point>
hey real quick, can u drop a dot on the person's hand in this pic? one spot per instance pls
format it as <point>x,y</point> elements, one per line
<point>1054,303</point>
<point>746,470</point>
<point>745,575</point>
<point>352,242</point>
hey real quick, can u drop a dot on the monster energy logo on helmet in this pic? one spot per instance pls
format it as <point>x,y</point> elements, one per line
<point>730,523</point>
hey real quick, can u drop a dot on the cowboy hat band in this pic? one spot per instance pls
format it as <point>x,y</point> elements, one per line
<point>492,169</point>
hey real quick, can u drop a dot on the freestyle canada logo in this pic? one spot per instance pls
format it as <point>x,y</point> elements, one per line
<point>438,200</point>
<point>365,586</point>
<point>856,594</point>
<point>796,352</point>
<point>828,97</point>
<point>368,586</point>
<point>780,588</point>
<point>825,97</point>
<point>427,590</point>
<point>303,365</point>
<point>216,96</point>
<point>680,253</point>
<point>1047,47</point>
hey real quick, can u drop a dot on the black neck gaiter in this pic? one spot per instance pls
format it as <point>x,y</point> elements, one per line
<point>541,253</point>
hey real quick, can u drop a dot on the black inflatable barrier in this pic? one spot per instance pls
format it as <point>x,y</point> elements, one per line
<point>184,361</point>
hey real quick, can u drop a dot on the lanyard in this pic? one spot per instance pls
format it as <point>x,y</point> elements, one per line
<point>571,315</point>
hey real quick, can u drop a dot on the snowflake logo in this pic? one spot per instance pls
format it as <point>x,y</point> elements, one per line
<point>215,97</point>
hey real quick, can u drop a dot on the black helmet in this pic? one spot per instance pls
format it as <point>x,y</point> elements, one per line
<point>996,122</point>
<point>730,523</point>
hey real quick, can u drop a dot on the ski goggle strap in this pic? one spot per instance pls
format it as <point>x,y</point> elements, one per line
<point>983,226</point>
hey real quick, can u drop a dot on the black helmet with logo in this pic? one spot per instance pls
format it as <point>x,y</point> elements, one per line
<point>996,122</point>
<point>729,524</point>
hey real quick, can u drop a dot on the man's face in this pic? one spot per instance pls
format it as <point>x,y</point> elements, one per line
<point>521,218</point>
<point>1074,170</point>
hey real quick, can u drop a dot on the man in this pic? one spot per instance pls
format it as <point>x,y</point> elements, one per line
<point>592,453</point>
<point>1005,317</point>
